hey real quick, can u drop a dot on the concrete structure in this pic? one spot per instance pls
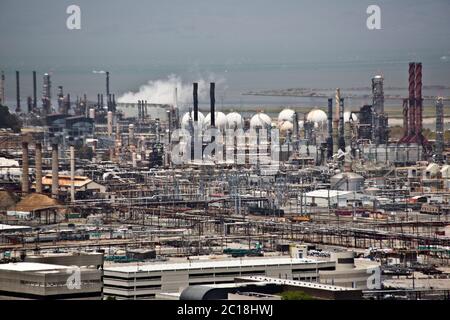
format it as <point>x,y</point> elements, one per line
<point>145,281</point>
<point>81,259</point>
<point>323,197</point>
<point>40,281</point>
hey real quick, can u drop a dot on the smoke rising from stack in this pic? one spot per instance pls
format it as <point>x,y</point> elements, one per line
<point>162,91</point>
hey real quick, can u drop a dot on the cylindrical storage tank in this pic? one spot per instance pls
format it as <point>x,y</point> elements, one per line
<point>347,181</point>
<point>92,113</point>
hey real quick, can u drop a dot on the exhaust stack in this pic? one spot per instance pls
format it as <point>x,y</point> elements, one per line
<point>55,169</point>
<point>72,173</point>
<point>34,91</point>
<point>38,149</point>
<point>212,88</point>
<point>330,129</point>
<point>25,168</point>
<point>195,97</point>
<point>2,88</point>
<point>17,92</point>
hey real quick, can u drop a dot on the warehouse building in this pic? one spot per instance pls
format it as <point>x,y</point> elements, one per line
<point>41,281</point>
<point>145,281</point>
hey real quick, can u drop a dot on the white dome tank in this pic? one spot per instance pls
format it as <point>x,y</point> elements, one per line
<point>286,115</point>
<point>347,116</point>
<point>261,120</point>
<point>235,120</point>
<point>187,115</point>
<point>317,116</point>
<point>286,126</point>
<point>220,118</point>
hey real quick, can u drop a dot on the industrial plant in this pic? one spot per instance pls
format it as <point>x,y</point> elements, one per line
<point>101,199</point>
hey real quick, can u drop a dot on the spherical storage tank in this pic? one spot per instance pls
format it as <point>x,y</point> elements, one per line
<point>261,120</point>
<point>221,120</point>
<point>285,127</point>
<point>347,116</point>
<point>187,116</point>
<point>317,116</point>
<point>235,120</point>
<point>347,181</point>
<point>286,115</point>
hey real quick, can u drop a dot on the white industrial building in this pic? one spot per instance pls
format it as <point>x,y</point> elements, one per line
<point>42,281</point>
<point>325,197</point>
<point>145,281</point>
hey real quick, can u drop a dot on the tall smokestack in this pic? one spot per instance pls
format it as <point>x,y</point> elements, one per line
<point>406,130</point>
<point>131,134</point>
<point>212,88</point>
<point>439,129</point>
<point>107,91</point>
<point>55,169</point>
<point>67,105</point>
<point>34,91</point>
<point>98,100</point>
<point>341,125</point>
<point>336,122</point>
<point>109,119</point>
<point>330,129</point>
<point>2,88</point>
<point>418,97</point>
<point>101,101</point>
<point>72,173</point>
<point>412,98</point>
<point>29,104</point>
<point>25,170</point>
<point>17,92</point>
<point>38,149</point>
<point>195,97</point>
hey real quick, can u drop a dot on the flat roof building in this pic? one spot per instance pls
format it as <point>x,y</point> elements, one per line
<point>145,281</point>
<point>41,281</point>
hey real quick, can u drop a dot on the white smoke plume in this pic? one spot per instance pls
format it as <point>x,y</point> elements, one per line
<point>162,91</point>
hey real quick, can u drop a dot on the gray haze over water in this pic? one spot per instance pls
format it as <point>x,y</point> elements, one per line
<point>243,45</point>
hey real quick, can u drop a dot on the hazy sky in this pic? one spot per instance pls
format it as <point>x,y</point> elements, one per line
<point>130,33</point>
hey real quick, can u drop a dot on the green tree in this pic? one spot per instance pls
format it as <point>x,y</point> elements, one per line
<point>296,295</point>
<point>8,120</point>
